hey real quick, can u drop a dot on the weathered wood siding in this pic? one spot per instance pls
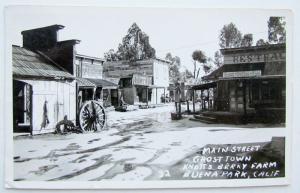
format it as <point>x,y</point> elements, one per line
<point>160,74</point>
<point>88,68</point>
<point>270,61</point>
<point>123,68</point>
<point>61,101</point>
<point>155,69</point>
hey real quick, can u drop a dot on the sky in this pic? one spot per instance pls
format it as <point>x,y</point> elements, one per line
<point>174,30</point>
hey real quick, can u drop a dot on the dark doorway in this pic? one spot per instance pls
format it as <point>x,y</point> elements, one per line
<point>22,107</point>
<point>114,97</point>
<point>142,93</point>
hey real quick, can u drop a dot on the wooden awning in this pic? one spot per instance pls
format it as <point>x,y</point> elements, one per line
<point>205,86</point>
<point>88,82</point>
<point>255,77</point>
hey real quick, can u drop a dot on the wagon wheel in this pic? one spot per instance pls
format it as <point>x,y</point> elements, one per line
<point>92,116</point>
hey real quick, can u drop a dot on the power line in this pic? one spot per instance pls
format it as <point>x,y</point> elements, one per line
<point>201,43</point>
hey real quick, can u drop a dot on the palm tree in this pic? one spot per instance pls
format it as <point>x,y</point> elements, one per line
<point>198,56</point>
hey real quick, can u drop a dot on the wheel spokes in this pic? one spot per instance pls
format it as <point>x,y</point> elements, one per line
<point>92,116</point>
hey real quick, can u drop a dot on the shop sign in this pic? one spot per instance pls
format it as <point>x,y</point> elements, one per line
<point>236,74</point>
<point>143,80</point>
<point>91,71</point>
<point>254,58</point>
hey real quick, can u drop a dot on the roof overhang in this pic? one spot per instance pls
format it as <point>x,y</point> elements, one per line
<point>91,83</point>
<point>205,86</point>
<point>255,77</point>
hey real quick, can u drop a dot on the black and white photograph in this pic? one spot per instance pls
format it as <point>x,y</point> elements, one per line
<point>147,97</point>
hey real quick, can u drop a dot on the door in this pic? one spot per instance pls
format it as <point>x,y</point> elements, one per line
<point>232,98</point>
<point>236,96</point>
<point>114,97</point>
<point>22,106</point>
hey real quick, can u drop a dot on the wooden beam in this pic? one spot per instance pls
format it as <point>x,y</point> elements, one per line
<point>193,100</point>
<point>147,95</point>
<point>202,104</point>
<point>244,98</point>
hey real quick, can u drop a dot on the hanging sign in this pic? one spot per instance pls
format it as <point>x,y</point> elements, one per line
<point>252,73</point>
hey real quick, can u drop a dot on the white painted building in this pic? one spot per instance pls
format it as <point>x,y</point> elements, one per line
<point>44,94</point>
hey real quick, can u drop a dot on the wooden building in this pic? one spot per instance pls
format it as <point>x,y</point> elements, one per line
<point>90,82</point>
<point>141,81</point>
<point>250,84</point>
<point>43,92</point>
<point>44,88</point>
<point>48,77</point>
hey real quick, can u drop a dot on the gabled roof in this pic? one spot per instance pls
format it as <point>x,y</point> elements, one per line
<point>31,64</point>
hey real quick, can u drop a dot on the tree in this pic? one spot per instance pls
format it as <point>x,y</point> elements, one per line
<point>276,30</point>
<point>198,56</point>
<point>174,67</point>
<point>230,36</point>
<point>207,66</point>
<point>187,77</point>
<point>218,59</point>
<point>188,74</point>
<point>261,42</point>
<point>135,46</point>
<point>247,40</point>
<point>111,55</point>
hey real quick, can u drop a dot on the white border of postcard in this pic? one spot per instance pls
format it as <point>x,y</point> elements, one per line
<point>10,183</point>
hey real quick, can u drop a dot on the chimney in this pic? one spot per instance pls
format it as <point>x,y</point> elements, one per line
<point>63,53</point>
<point>42,38</point>
<point>45,40</point>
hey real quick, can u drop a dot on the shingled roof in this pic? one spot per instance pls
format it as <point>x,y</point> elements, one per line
<point>31,64</point>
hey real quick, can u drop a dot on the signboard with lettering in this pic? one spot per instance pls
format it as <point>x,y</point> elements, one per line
<point>91,71</point>
<point>251,73</point>
<point>138,79</point>
<point>231,161</point>
<point>257,57</point>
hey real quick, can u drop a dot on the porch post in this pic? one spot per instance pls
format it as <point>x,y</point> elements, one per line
<point>147,96</point>
<point>94,92</point>
<point>77,103</point>
<point>188,107</point>
<point>193,100</point>
<point>31,109</point>
<point>207,99</point>
<point>118,97</point>
<point>244,98</point>
<point>202,100</point>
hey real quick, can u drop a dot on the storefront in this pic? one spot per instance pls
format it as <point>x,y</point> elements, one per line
<point>134,89</point>
<point>97,89</point>
<point>142,82</point>
<point>250,83</point>
<point>90,82</point>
